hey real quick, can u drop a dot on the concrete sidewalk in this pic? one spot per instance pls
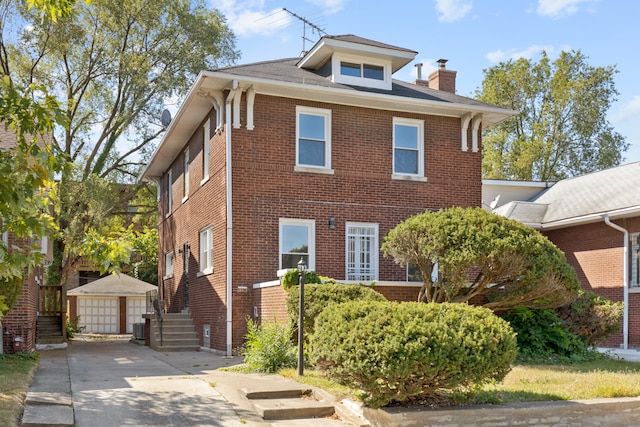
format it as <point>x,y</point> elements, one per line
<point>120,383</point>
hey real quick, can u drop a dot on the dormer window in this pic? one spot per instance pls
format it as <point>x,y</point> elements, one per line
<point>360,71</point>
<point>366,71</point>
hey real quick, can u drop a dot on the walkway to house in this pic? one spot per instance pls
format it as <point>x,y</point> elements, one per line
<point>119,383</point>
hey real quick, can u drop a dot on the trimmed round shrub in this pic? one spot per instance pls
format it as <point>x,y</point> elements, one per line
<point>317,297</point>
<point>393,351</point>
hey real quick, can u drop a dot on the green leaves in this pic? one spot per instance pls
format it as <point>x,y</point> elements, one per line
<point>562,130</point>
<point>482,255</point>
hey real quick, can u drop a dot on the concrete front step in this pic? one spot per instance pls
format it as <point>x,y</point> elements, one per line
<point>50,340</point>
<point>275,393</point>
<point>47,415</point>
<point>292,408</point>
<point>172,348</point>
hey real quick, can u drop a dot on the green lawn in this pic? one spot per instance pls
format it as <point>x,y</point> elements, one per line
<point>578,381</point>
<point>16,374</point>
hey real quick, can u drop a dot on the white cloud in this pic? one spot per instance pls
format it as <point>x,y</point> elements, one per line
<point>559,8</point>
<point>248,17</point>
<point>330,6</point>
<point>629,110</point>
<point>528,53</point>
<point>452,10</point>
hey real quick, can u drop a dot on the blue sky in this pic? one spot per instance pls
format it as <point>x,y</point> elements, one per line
<point>472,34</point>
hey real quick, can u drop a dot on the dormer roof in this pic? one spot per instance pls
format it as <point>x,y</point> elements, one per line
<point>350,44</point>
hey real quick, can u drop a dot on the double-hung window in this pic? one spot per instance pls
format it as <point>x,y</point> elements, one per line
<point>313,138</point>
<point>635,260</point>
<point>185,176</point>
<point>408,147</point>
<point>362,251</point>
<point>206,250</point>
<point>168,264</point>
<point>205,151</point>
<point>297,240</point>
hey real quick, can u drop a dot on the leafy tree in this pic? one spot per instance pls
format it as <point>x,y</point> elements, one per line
<point>113,66</point>
<point>483,257</point>
<point>27,164</point>
<point>562,129</point>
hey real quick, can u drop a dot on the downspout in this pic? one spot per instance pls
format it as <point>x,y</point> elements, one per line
<point>625,263</point>
<point>228,126</point>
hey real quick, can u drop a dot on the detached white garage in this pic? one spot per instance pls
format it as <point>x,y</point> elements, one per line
<point>111,305</point>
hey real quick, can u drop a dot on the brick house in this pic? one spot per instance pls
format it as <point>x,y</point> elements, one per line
<point>595,220</point>
<point>18,326</point>
<point>315,157</point>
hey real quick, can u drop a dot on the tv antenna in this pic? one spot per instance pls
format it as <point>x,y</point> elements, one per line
<point>306,22</point>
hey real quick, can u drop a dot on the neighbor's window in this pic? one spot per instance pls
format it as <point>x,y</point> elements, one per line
<point>313,145</point>
<point>185,181</point>
<point>206,250</point>
<point>205,150</point>
<point>168,264</point>
<point>635,260</point>
<point>169,192</point>
<point>408,146</point>
<point>297,240</point>
<point>362,251</point>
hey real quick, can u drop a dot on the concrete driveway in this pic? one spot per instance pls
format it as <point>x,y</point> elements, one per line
<point>118,383</point>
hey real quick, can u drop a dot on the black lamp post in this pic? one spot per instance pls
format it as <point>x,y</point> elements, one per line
<point>302,268</point>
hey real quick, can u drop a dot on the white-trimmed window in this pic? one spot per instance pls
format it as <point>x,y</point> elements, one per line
<point>362,251</point>
<point>185,176</point>
<point>361,71</point>
<point>168,264</point>
<point>206,250</point>
<point>408,147</point>
<point>635,260</point>
<point>297,240</point>
<point>205,151</point>
<point>169,192</point>
<point>313,138</point>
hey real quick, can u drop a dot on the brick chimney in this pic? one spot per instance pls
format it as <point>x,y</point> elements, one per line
<point>443,79</point>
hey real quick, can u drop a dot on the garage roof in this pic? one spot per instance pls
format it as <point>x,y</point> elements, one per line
<point>114,285</point>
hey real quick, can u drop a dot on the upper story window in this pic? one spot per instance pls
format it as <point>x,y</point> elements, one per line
<point>185,180</point>
<point>313,139</point>
<point>366,71</point>
<point>408,147</point>
<point>297,240</point>
<point>635,260</point>
<point>169,192</point>
<point>361,71</point>
<point>205,151</point>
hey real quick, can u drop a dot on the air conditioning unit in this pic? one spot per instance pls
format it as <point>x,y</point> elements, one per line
<point>138,331</point>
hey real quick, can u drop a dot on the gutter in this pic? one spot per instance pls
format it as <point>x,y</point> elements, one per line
<point>229,194</point>
<point>625,264</point>
<point>586,219</point>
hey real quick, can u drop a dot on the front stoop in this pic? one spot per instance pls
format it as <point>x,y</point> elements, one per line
<point>178,333</point>
<point>290,407</point>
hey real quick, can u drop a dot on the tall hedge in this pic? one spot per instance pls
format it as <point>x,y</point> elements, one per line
<point>317,297</point>
<point>398,351</point>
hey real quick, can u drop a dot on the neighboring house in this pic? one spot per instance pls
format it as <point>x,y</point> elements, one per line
<point>110,305</point>
<point>595,220</point>
<point>315,157</point>
<point>18,326</point>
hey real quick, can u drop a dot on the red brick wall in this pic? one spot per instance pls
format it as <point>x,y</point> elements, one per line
<point>21,319</point>
<point>596,252</point>
<point>266,188</point>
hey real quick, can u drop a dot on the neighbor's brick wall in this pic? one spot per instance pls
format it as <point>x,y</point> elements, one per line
<point>596,253</point>
<point>266,188</point>
<point>21,319</point>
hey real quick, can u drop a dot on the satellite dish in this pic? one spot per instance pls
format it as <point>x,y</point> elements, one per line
<point>494,202</point>
<point>165,119</point>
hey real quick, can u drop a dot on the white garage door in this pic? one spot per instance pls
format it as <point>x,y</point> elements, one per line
<point>136,307</point>
<point>99,315</point>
